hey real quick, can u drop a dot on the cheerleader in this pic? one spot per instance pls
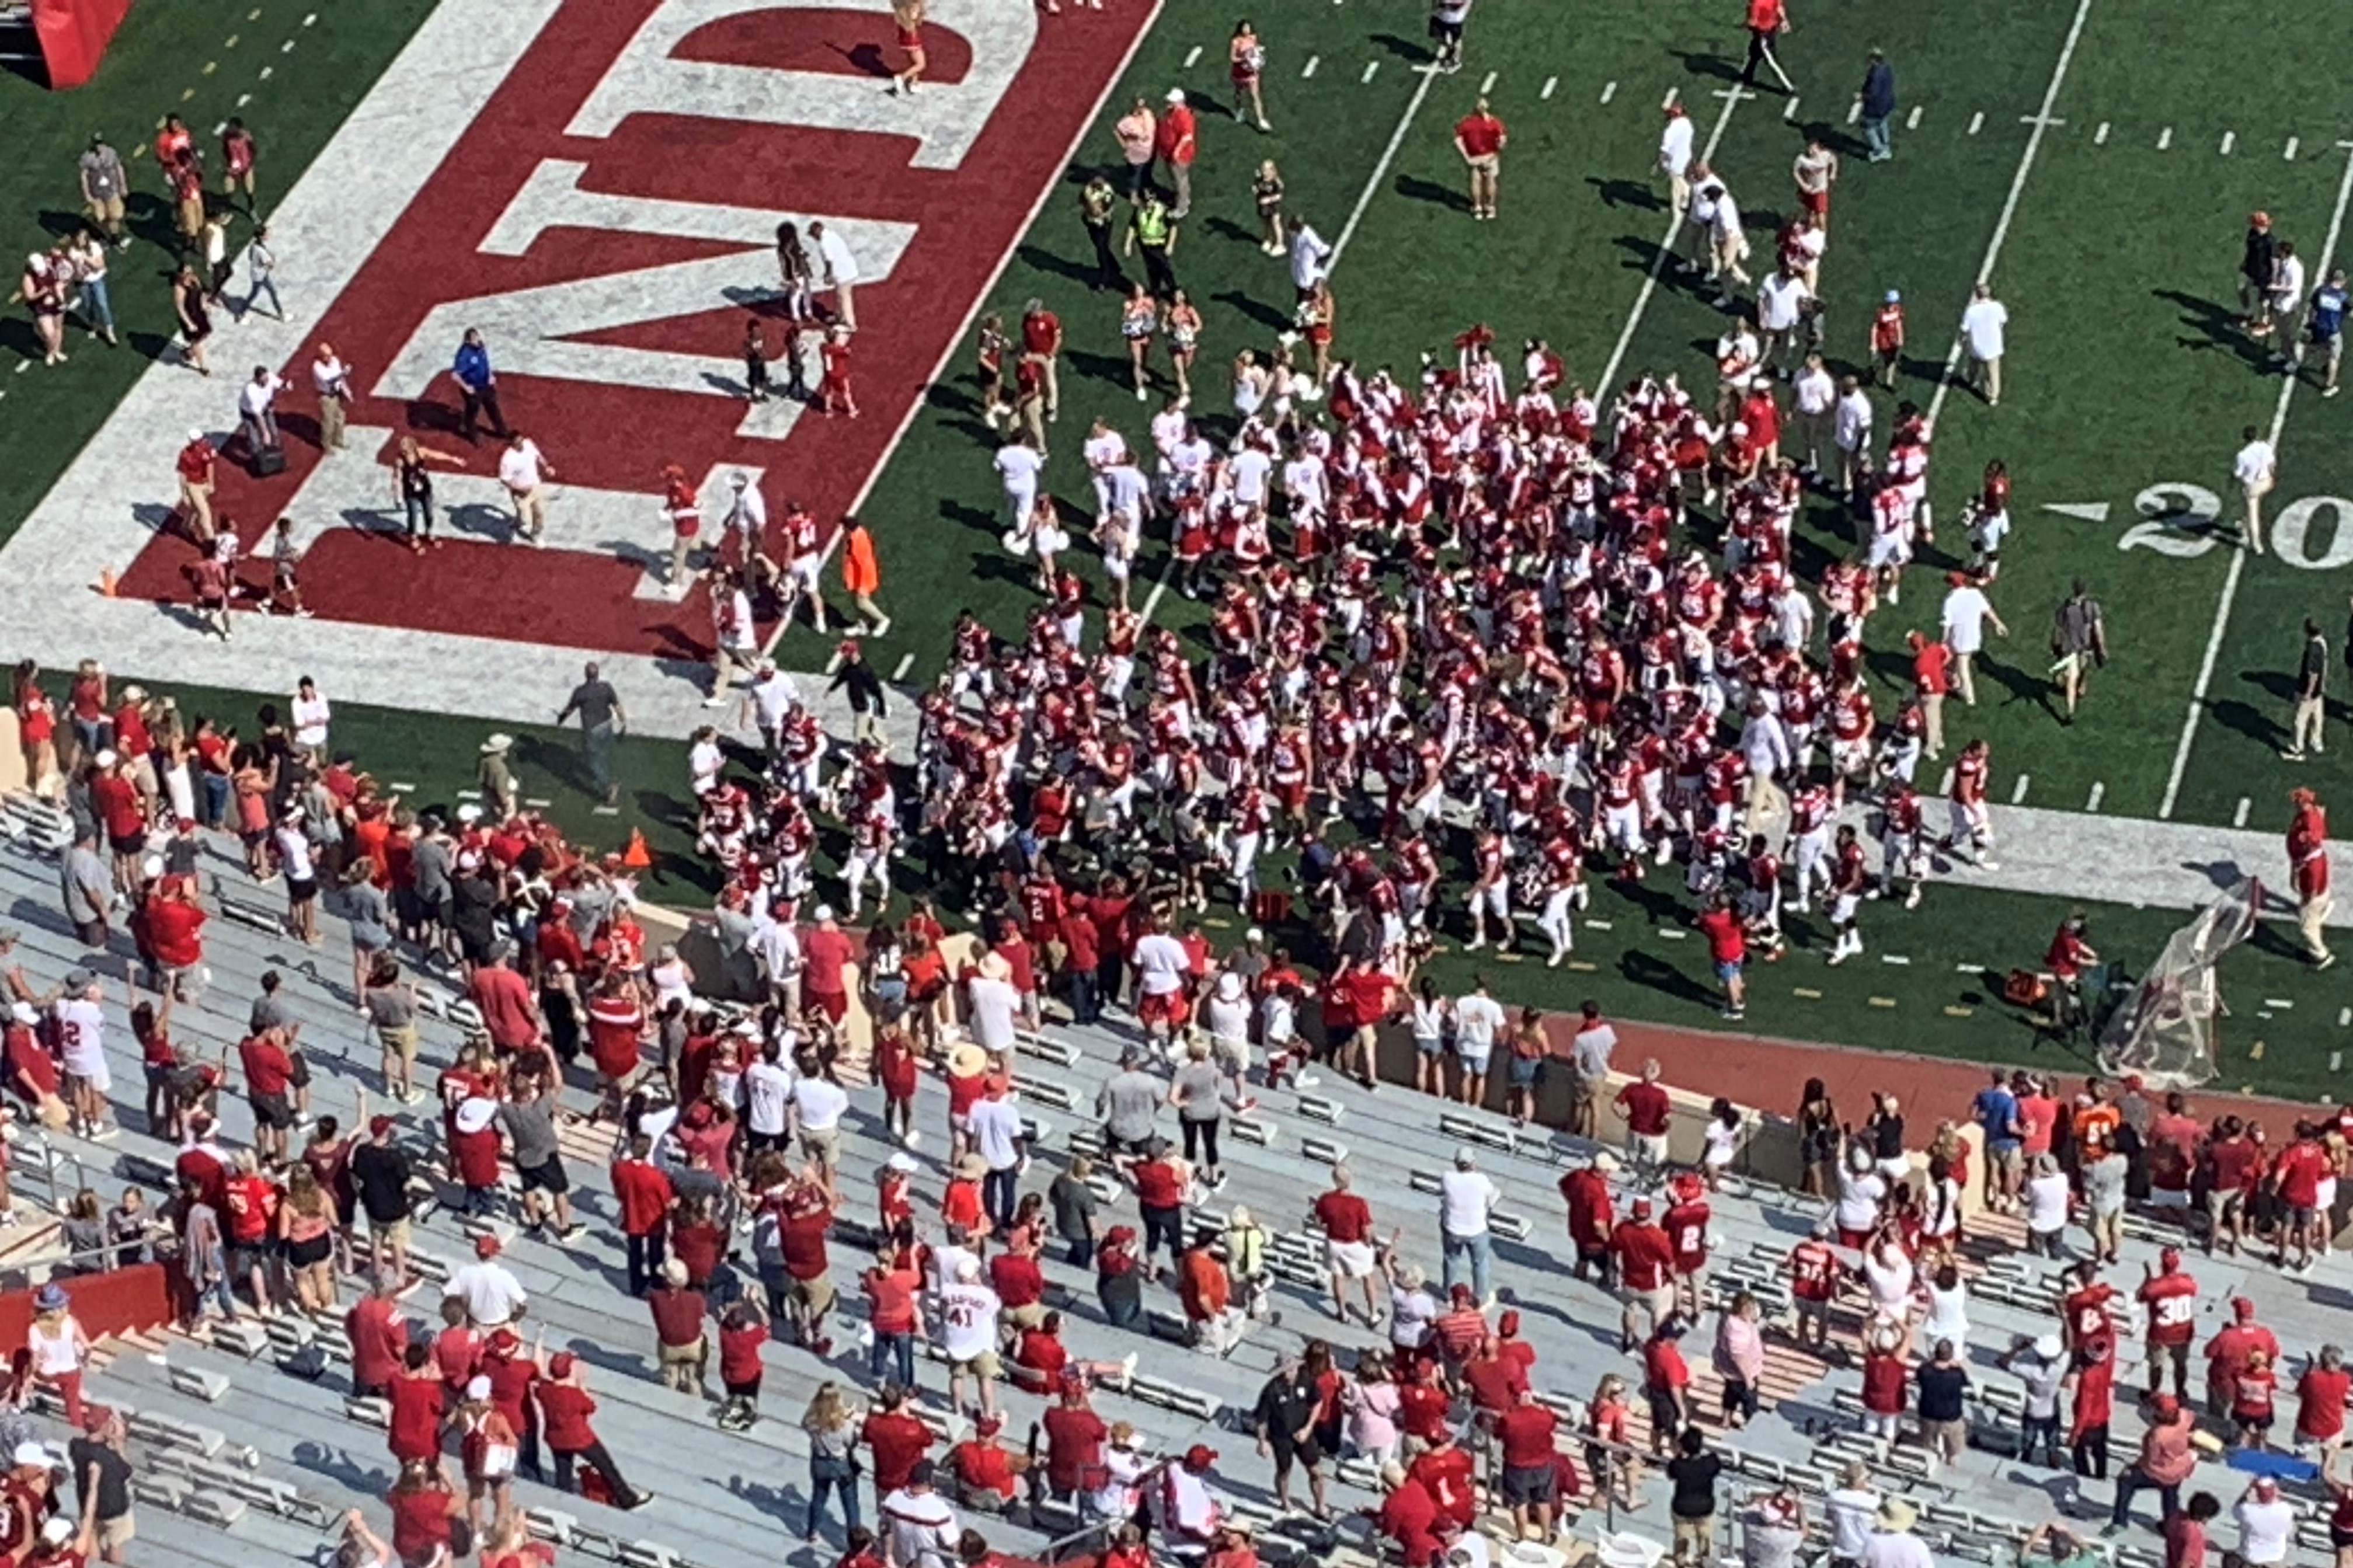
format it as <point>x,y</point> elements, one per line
<point>1246,62</point>
<point>833,388</point>
<point>1046,539</point>
<point>1184,322</point>
<point>1266,189</point>
<point>1316,323</point>
<point>991,345</point>
<point>1118,534</point>
<point>907,17</point>
<point>1139,318</point>
<point>1251,382</point>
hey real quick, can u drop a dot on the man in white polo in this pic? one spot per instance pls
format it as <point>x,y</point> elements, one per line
<point>840,271</point>
<point>1676,158</point>
<point>2256,467</point>
<point>1018,467</point>
<point>1966,610</point>
<point>1780,309</point>
<point>1982,333</point>
<point>524,470</point>
<point>1851,431</point>
<point>1814,395</point>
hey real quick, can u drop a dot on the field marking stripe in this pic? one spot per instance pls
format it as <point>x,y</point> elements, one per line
<point>2239,556</point>
<point>1381,169</point>
<point>1659,262</point>
<point>2040,122</point>
<point>956,344</point>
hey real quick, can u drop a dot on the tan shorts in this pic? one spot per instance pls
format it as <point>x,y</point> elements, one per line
<point>106,209</point>
<point>395,1231</point>
<point>694,1354</point>
<point>1350,1260</point>
<point>1028,1317</point>
<point>824,1147</point>
<point>116,1533</point>
<point>815,1296</point>
<point>983,1365</point>
<point>1487,164</point>
<point>400,1041</point>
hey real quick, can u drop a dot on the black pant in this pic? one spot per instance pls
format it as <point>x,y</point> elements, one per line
<point>527,1463</point>
<point>1163,1224</point>
<point>598,1460</point>
<point>2039,1431</point>
<point>1157,270</point>
<point>646,1254</point>
<point>1760,43</point>
<point>1086,997</point>
<point>1000,1195</point>
<point>2092,1453</point>
<point>1202,1140</point>
<point>756,376</point>
<point>1109,273</point>
<point>480,400</point>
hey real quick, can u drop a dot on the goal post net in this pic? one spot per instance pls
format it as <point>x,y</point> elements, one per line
<point>2164,1029</point>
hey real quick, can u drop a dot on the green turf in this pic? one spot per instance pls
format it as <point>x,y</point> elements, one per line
<point>2116,266</point>
<point>196,59</point>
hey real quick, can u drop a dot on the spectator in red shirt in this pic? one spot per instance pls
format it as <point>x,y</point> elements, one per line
<point>1666,1383</point>
<point>1727,949</point>
<point>895,1440</point>
<point>1349,1251</point>
<point>986,1477</point>
<point>1526,1433</point>
<point>1648,1110</point>
<point>1445,1472</point>
<point>2300,1169</point>
<point>510,1011</point>
<point>1173,142</point>
<point>1074,1440</point>
<point>1591,1216</point>
<point>1479,136</point>
<point>417,1398</point>
<point>826,954</point>
<point>423,1504</point>
<point>566,1409</point>
<point>378,1335</point>
<point>2320,1395</point>
<point>1646,1262</point>
<point>268,1075</point>
<point>743,1330</point>
<point>1409,1517</point>
<point>646,1197</point>
<point>682,1346</point>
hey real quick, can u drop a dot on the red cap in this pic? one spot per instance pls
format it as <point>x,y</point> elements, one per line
<point>486,1246</point>
<point>1689,1185</point>
<point>2169,1260</point>
<point>990,1422</point>
<point>380,1125</point>
<point>560,1364</point>
<point>2166,1407</point>
<point>1509,1323</point>
<point>1641,1209</point>
<point>1461,1296</point>
<point>2242,1309</point>
<point>1201,1456</point>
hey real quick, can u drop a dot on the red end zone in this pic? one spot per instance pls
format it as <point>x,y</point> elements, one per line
<point>613,433</point>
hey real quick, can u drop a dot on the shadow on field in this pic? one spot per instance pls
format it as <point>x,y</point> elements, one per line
<point>1626,193</point>
<point>2215,326</point>
<point>1719,66</point>
<point>1402,48</point>
<point>1045,260</point>
<point>1416,189</point>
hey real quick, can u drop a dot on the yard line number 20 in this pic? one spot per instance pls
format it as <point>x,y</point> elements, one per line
<point>2181,520</point>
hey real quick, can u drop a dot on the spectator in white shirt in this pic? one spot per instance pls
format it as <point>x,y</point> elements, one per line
<point>1017,465</point>
<point>1814,397</point>
<point>332,380</point>
<point>994,1126</point>
<point>1981,334</point>
<point>1310,258</point>
<point>1966,611</point>
<point>919,1527</point>
<point>840,271</point>
<point>1466,1198</point>
<point>2256,467</point>
<point>312,717</point>
<point>1851,430</point>
<point>1780,309</point>
<point>2266,1524</point>
<point>524,472</point>
<point>491,1293</point>
<point>1676,158</point>
<point>995,1007</point>
<point>255,406</point>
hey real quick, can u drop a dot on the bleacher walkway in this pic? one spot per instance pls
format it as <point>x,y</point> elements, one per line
<point>236,1453</point>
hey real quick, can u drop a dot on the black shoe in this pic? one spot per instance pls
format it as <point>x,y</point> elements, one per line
<point>637,1500</point>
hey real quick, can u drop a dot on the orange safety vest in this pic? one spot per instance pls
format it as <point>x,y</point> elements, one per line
<point>860,572</point>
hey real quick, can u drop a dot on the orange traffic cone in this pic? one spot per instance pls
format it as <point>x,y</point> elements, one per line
<point>106,583</point>
<point>637,855</point>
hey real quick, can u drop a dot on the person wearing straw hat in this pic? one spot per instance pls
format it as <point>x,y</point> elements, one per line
<point>501,795</point>
<point>1892,1544</point>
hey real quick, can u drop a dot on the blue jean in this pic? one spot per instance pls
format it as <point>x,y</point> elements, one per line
<point>263,283</point>
<point>98,305</point>
<point>898,1352</point>
<point>1000,1195</point>
<point>1875,136</point>
<point>2133,1480</point>
<point>838,1479</point>
<point>645,1258</point>
<point>215,803</point>
<point>1473,1254</point>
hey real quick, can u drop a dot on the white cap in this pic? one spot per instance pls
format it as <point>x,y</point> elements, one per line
<point>57,1531</point>
<point>901,1161</point>
<point>469,812</point>
<point>197,433</point>
<point>105,757</point>
<point>31,1453</point>
<point>475,1113</point>
<point>824,914</point>
<point>1175,95</point>
<point>478,1387</point>
<point>24,1013</point>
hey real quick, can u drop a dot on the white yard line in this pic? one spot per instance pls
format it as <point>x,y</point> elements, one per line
<point>2040,121</point>
<point>1309,68</point>
<point>2238,557</point>
<point>1372,69</point>
<point>1666,253</point>
<point>2230,139</point>
<point>2093,801</point>
<point>2100,137</point>
<point>1193,59</point>
<point>2287,153</point>
<point>1789,110</point>
<point>1977,121</point>
<point>956,344</point>
<point>1912,121</point>
<point>2165,139</point>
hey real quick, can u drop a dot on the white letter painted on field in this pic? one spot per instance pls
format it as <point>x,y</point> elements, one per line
<point>527,329</point>
<point>945,118</point>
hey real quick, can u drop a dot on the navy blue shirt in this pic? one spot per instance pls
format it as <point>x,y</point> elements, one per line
<point>1879,90</point>
<point>473,365</point>
<point>1997,1113</point>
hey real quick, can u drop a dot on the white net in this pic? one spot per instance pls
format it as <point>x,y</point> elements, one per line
<point>2164,1030</point>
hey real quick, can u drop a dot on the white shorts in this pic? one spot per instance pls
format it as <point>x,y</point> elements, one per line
<point>1850,759</point>
<point>1843,908</point>
<point>1495,898</point>
<point>1970,821</point>
<point>1888,550</point>
<point>1622,825</point>
<point>1350,1260</point>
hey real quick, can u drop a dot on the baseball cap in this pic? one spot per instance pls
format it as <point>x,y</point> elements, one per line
<point>486,1246</point>
<point>1175,95</point>
<point>1200,1457</point>
<point>478,1387</point>
<point>1894,297</point>
<point>379,1125</point>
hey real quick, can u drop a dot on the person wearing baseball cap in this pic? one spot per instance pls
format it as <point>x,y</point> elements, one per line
<point>102,1471</point>
<point>2165,1461</point>
<point>493,1297</point>
<point>1185,1510</point>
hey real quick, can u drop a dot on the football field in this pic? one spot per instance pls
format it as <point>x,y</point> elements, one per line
<point>2093,161</point>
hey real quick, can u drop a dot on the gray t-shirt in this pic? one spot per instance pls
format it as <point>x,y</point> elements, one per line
<point>1130,1104</point>
<point>1588,1054</point>
<point>270,1011</point>
<point>428,864</point>
<point>2104,1183</point>
<point>1075,1205</point>
<point>594,702</point>
<point>1767,1542</point>
<point>101,173</point>
<point>81,871</point>
<point>530,1125</point>
<point>1195,1089</point>
<point>391,1006</point>
<point>365,907</point>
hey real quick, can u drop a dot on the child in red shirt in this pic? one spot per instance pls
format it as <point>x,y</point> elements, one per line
<point>742,1330</point>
